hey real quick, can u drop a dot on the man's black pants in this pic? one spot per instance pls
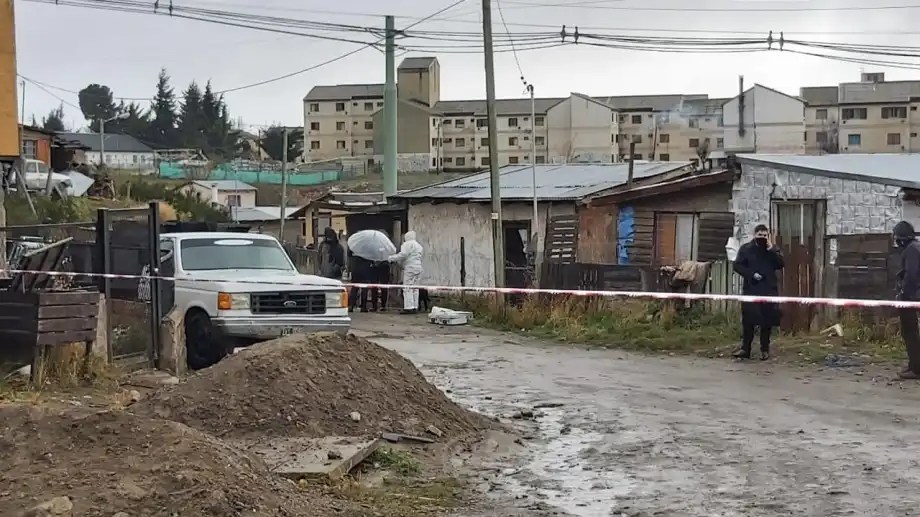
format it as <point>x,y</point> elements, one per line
<point>910,331</point>
<point>747,337</point>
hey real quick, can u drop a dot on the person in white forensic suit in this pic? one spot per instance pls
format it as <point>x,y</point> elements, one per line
<point>409,259</point>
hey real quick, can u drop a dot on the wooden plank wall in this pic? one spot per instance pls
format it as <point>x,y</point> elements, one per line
<point>715,228</point>
<point>602,277</point>
<point>561,239</point>
<point>642,248</point>
<point>597,235</point>
<point>867,266</point>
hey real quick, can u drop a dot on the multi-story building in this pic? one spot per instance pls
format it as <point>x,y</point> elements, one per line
<point>870,116</point>
<point>338,120</point>
<point>764,120</point>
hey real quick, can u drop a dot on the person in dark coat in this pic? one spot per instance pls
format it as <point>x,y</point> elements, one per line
<point>331,255</point>
<point>758,262</point>
<point>909,291</point>
<point>381,276</point>
<point>362,272</point>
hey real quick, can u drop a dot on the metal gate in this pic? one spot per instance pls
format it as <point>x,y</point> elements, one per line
<point>128,244</point>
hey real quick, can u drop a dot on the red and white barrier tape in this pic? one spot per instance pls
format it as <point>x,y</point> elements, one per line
<point>836,302</point>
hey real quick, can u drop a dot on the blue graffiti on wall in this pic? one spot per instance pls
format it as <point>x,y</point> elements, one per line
<point>625,234</point>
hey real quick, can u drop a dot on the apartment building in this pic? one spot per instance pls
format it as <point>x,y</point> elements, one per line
<point>338,120</point>
<point>869,116</point>
<point>764,120</point>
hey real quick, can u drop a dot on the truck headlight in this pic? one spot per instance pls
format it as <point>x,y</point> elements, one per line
<point>232,301</point>
<point>337,300</point>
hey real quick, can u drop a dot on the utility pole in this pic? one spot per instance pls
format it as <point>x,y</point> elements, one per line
<point>533,166</point>
<point>498,245</point>
<point>389,113</point>
<point>102,143</point>
<point>284,158</point>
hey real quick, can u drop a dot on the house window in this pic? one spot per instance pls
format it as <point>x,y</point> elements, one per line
<point>368,144</point>
<point>484,160</point>
<point>368,106</point>
<point>314,107</point>
<point>894,112</point>
<point>540,140</point>
<point>340,144</point>
<point>664,157</point>
<point>694,143</point>
<point>821,114</point>
<point>30,149</point>
<point>340,126</point>
<point>314,144</point>
<point>460,123</point>
<point>314,126</point>
<point>340,106</point>
<point>539,121</point>
<point>637,139</point>
<point>637,119</point>
<point>448,122</point>
<point>665,138</point>
<point>854,139</point>
<point>894,138</point>
<point>368,125</point>
<point>481,122</point>
<point>233,200</point>
<point>539,159</point>
<point>460,142</point>
<point>694,123</point>
<point>675,238</point>
<point>821,137</point>
<point>484,142</point>
<point>513,160</point>
<point>513,122</point>
<point>461,161</point>
<point>720,143</point>
<point>512,140</point>
<point>854,113</point>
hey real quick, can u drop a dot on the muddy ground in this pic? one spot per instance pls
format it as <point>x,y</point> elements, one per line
<point>626,434</point>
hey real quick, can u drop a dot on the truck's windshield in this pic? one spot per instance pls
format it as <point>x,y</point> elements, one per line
<point>233,253</point>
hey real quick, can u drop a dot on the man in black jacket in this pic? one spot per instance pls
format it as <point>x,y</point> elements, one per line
<point>331,255</point>
<point>909,291</point>
<point>757,263</point>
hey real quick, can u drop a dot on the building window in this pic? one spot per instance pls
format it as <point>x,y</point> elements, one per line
<point>314,144</point>
<point>481,122</point>
<point>637,119</point>
<point>821,114</point>
<point>694,143</point>
<point>720,143</point>
<point>539,121</point>
<point>539,159</point>
<point>484,142</point>
<point>314,107</point>
<point>340,126</point>
<point>821,137</point>
<point>379,104</point>
<point>447,122</point>
<point>30,149</point>
<point>460,142</point>
<point>894,112</point>
<point>854,113</point>
<point>368,106</point>
<point>340,106</point>
<point>513,122</point>
<point>637,139</point>
<point>513,160</point>
<point>233,200</point>
<point>368,144</point>
<point>460,123</point>
<point>540,140</point>
<point>854,139</point>
<point>484,160</point>
<point>637,156</point>
<point>340,144</point>
<point>913,135</point>
<point>314,126</point>
<point>461,161</point>
<point>664,157</point>
<point>721,121</point>
<point>665,138</point>
<point>614,139</point>
<point>694,123</point>
<point>368,125</point>
<point>894,138</point>
<point>435,142</point>
<point>512,140</point>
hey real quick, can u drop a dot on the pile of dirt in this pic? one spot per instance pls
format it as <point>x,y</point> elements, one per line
<point>113,461</point>
<point>312,386</point>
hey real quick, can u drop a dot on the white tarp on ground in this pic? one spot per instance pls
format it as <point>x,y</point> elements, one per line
<point>442,316</point>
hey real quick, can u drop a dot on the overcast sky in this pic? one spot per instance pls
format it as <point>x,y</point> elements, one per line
<point>70,47</point>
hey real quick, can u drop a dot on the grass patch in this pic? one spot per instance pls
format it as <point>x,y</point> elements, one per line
<point>405,498</point>
<point>395,460</point>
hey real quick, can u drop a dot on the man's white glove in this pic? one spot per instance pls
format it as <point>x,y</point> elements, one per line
<point>758,277</point>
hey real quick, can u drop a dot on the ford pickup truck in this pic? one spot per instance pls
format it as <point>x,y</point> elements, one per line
<point>236,289</point>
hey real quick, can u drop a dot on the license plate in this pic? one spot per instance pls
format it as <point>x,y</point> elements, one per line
<point>287,331</point>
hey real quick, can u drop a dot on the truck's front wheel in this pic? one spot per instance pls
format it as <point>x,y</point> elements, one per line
<point>202,347</point>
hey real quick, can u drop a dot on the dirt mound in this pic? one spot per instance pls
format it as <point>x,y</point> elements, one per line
<point>113,461</point>
<point>312,386</point>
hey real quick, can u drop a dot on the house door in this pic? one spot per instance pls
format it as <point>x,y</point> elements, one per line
<point>799,233</point>
<point>517,267</point>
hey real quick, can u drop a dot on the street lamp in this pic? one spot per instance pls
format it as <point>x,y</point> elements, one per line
<point>120,116</point>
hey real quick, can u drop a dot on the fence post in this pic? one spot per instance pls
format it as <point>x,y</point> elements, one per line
<point>153,235</point>
<point>462,262</point>
<point>104,266</point>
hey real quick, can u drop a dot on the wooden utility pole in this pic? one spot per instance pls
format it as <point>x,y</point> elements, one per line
<point>284,159</point>
<point>498,238</point>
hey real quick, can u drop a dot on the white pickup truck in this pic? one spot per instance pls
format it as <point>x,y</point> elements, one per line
<point>236,289</point>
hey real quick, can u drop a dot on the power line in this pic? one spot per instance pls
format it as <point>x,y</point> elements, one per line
<point>501,14</point>
<point>594,5</point>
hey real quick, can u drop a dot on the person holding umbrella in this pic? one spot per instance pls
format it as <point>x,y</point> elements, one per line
<point>368,248</point>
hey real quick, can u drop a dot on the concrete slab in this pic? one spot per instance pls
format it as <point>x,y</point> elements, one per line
<point>331,456</point>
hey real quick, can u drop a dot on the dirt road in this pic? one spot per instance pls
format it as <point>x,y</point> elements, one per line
<point>625,434</point>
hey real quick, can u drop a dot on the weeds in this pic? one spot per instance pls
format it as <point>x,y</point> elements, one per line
<point>395,460</point>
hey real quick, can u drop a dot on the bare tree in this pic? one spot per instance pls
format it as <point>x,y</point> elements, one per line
<point>702,152</point>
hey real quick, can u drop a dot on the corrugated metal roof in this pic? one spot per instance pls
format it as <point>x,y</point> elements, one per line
<point>417,63</point>
<point>259,213</point>
<point>554,182</point>
<point>344,92</point>
<point>819,95</point>
<point>502,106</point>
<point>225,184</point>
<point>889,91</point>
<point>668,102</point>
<point>114,143</point>
<point>889,169</point>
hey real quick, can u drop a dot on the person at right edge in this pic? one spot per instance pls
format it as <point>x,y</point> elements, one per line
<point>757,263</point>
<point>908,287</point>
<point>410,259</point>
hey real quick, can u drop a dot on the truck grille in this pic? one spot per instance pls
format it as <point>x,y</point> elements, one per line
<point>288,303</point>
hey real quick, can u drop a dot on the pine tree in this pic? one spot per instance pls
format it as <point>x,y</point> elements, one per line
<point>97,104</point>
<point>55,119</point>
<point>192,119</point>
<point>162,127</point>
